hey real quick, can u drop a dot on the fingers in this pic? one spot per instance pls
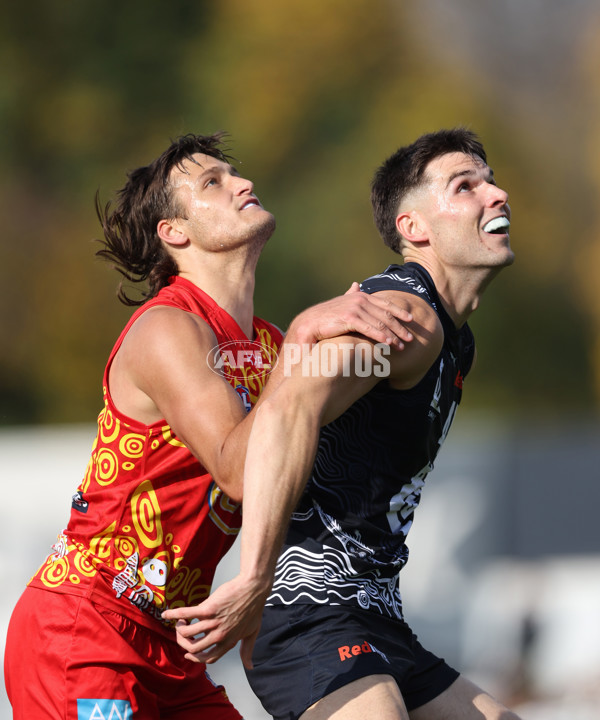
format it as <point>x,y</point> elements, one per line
<point>209,630</point>
<point>216,651</point>
<point>183,613</point>
<point>246,648</point>
<point>392,311</point>
<point>205,642</point>
<point>189,631</point>
<point>197,643</point>
<point>378,318</point>
<point>211,655</point>
<point>193,658</point>
<point>377,332</point>
<point>393,324</point>
<point>205,648</point>
<point>382,328</point>
<point>209,645</point>
<point>389,320</point>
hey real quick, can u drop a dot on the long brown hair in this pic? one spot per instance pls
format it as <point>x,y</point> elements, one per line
<point>131,241</point>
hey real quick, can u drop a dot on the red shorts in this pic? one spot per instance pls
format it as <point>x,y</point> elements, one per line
<point>70,659</point>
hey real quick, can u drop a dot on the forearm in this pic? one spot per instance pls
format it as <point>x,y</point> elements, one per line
<point>281,449</point>
<point>379,320</point>
<point>280,455</point>
<point>282,444</point>
<point>230,468</point>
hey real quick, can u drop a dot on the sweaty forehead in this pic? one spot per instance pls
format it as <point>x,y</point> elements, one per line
<point>189,170</point>
<point>445,167</point>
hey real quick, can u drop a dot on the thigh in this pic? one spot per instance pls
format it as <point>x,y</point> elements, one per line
<point>153,673</point>
<point>463,700</point>
<point>306,653</point>
<point>63,662</point>
<point>37,645</point>
<point>375,696</point>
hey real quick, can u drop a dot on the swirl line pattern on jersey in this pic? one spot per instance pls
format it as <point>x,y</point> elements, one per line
<point>298,575</point>
<point>338,573</point>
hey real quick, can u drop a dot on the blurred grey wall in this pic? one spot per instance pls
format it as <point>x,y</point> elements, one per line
<point>504,570</point>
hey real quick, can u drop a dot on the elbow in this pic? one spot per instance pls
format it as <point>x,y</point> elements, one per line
<point>233,491</point>
<point>232,488</point>
<point>236,494</point>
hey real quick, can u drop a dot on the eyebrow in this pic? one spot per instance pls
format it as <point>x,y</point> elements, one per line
<point>219,170</point>
<point>468,172</point>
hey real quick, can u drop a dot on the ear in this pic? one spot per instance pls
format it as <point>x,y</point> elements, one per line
<point>412,226</point>
<point>170,232</point>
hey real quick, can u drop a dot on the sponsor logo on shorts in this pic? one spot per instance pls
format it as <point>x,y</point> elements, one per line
<point>348,651</point>
<point>101,709</point>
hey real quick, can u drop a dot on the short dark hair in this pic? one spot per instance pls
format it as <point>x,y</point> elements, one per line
<point>131,240</point>
<point>405,171</point>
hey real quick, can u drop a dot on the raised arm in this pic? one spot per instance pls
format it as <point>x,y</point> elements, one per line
<point>163,371</point>
<point>281,451</point>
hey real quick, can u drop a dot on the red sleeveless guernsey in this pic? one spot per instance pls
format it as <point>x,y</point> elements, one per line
<point>148,524</point>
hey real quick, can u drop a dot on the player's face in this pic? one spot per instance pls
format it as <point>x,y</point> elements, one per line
<point>220,208</point>
<point>467,213</point>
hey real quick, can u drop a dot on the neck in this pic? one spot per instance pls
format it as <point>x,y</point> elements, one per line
<point>229,281</point>
<point>459,289</point>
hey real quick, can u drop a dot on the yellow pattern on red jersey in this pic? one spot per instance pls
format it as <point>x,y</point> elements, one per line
<point>148,523</point>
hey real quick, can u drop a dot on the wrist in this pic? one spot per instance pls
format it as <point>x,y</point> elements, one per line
<point>301,332</point>
<point>257,569</point>
<point>259,581</point>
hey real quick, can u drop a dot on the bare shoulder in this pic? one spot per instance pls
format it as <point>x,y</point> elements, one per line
<point>423,314</point>
<point>164,346</point>
<point>342,369</point>
<point>162,322</point>
<point>164,372</point>
<point>410,365</point>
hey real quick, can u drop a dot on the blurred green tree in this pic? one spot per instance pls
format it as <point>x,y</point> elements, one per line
<point>314,95</point>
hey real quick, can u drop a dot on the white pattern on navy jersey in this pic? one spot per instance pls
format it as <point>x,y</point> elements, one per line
<point>346,543</point>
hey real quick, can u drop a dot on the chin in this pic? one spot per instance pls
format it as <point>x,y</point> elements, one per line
<point>504,256</point>
<point>269,224</point>
<point>510,258</point>
<point>263,229</point>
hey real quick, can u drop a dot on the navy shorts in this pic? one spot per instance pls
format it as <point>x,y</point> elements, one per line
<point>305,652</point>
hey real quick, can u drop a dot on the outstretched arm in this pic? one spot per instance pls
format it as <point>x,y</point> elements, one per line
<point>281,451</point>
<point>162,371</point>
<point>234,610</point>
<point>376,318</point>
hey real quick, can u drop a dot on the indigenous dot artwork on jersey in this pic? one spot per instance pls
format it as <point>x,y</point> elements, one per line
<point>148,524</point>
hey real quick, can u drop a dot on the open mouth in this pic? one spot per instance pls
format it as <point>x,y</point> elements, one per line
<point>497,226</point>
<point>253,202</point>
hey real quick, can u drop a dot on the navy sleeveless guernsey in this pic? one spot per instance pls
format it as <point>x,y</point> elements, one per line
<point>347,538</point>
